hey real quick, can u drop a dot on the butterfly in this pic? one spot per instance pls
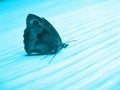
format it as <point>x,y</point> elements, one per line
<point>41,37</point>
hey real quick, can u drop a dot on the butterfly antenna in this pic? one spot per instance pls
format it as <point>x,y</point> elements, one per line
<point>70,41</point>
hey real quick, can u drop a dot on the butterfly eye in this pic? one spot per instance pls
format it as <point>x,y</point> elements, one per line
<point>35,22</point>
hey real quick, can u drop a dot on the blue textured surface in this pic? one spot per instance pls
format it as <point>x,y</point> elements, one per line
<point>90,63</point>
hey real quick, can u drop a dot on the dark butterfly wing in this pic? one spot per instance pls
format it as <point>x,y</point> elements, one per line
<point>30,33</point>
<point>52,31</point>
<point>41,37</point>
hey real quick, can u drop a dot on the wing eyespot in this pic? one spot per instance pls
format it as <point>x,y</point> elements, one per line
<point>35,22</point>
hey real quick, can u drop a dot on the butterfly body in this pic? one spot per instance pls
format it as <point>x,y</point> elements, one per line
<point>41,37</point>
